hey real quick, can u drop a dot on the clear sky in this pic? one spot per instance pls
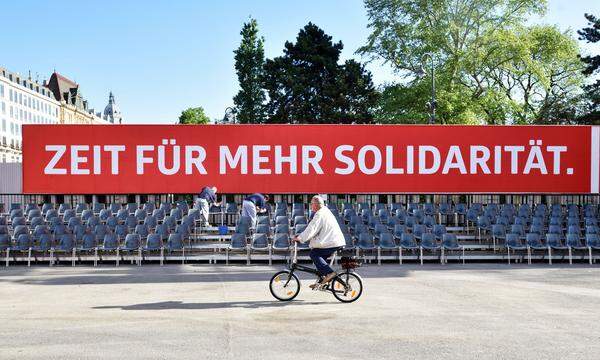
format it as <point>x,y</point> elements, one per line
<point>160,57</point>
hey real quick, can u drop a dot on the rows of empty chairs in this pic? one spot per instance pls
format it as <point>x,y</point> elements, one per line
<point>397,232</point>
<point>120,230</point>
<point>385,231</point>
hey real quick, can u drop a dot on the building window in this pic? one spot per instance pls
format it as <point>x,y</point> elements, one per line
<point>3,108</point>
<point>20,99</point>
<point>3,125</point>
<point>1,90</point>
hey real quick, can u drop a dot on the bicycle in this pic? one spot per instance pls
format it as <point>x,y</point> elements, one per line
<point>345,286</point>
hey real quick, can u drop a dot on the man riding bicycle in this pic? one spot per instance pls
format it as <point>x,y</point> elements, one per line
<point>325,237</point>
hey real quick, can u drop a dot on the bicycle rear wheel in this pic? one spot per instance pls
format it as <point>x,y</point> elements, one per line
<point>349,289</point>
<point>284,286</point>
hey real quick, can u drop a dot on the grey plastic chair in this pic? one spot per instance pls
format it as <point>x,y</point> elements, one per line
<point>365,243</point>
<point>114,208</point>
<point>131,208</point>
<point>592,241</point>
<point>238,243</point>
<point>155,243</point>
<point>131,222</point>
<point>19,230</point>
<point>514,243</point>
<point>439,231</point>
<point>281,242</point>
<point>66,246</point>
<point>45,244</point>
<point>349,241</point>
<point>18,221</point>
<point>407,242</point>
<point>100,230</point>
<point>112,222</point>
<point>282,228</point>
<point>428,243</point>
<point>419,231</point>
<point>386,242</point>
<point>133,244</point>
<point>260,242</point>
<point>498,233</point>
<point>81,207</point>
<point>450,243</point>
<point>534,242</point>
<point>62,208</point>
<point>104,214</point>
<point>142,231</point>
<point>399,229</point>
<point>90,244</point>
<point>263,229</point>
<point>175,243</point>
<point>140,215</point>
<point>111,244</point>
<point>23,244</point>
<point>573,242</point>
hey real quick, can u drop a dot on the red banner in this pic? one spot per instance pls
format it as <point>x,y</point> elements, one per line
<point>151,159</point>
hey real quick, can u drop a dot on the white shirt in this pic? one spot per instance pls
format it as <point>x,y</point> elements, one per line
<point>323,231</point>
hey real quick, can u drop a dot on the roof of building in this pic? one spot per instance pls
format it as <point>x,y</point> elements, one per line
<point>61,85</point>
<point>111,111</point>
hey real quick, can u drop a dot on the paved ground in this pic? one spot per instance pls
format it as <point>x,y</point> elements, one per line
<point>212,312</point>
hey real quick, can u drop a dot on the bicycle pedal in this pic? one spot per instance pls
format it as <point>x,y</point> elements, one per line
<point>317,286</point>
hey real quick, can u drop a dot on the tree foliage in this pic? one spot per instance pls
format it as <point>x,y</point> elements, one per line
<point>249,62</point>
<point>490,67</point>
<point>538,71</point>
<point>194,116</point>
<point>307,85</point>
<point>591,34</point>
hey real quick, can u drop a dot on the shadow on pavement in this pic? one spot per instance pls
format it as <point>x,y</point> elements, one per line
<point>174,305</point>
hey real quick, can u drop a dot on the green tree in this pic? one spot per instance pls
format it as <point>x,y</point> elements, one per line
<point>249,63</point>
<point>490,67</point>
<point>591,34</point>
<point>538,70</point>
<point>307,85</point>
<point>194,116</point>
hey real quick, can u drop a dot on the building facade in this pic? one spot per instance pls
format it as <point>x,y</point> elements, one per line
<point>58,101</point>
<point>74,108</point>
<point>22,101</point>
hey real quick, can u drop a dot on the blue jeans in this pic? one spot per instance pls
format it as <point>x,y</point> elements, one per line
<point>319,258</point>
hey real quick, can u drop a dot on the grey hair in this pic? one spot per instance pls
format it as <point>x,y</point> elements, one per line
<point>319,199</point>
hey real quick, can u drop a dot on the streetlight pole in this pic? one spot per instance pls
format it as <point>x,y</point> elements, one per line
<point>432,104</point>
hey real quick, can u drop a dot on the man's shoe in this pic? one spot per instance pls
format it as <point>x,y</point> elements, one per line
<point>314,286</point>
<point>329,277</point>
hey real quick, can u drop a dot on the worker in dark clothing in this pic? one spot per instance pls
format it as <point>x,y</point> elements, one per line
<point>252,204</point>
<point>207,198</point>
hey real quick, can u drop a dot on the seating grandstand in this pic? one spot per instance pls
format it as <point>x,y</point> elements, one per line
<point>143,232</point>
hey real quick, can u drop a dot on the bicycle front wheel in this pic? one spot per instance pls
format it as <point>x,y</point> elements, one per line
<point>347,287</point>
<point>284,286</point>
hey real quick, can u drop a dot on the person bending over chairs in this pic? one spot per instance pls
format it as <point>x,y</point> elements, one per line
<point>325,237</point>
<point>207,197</point>
<point>254,204</point>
